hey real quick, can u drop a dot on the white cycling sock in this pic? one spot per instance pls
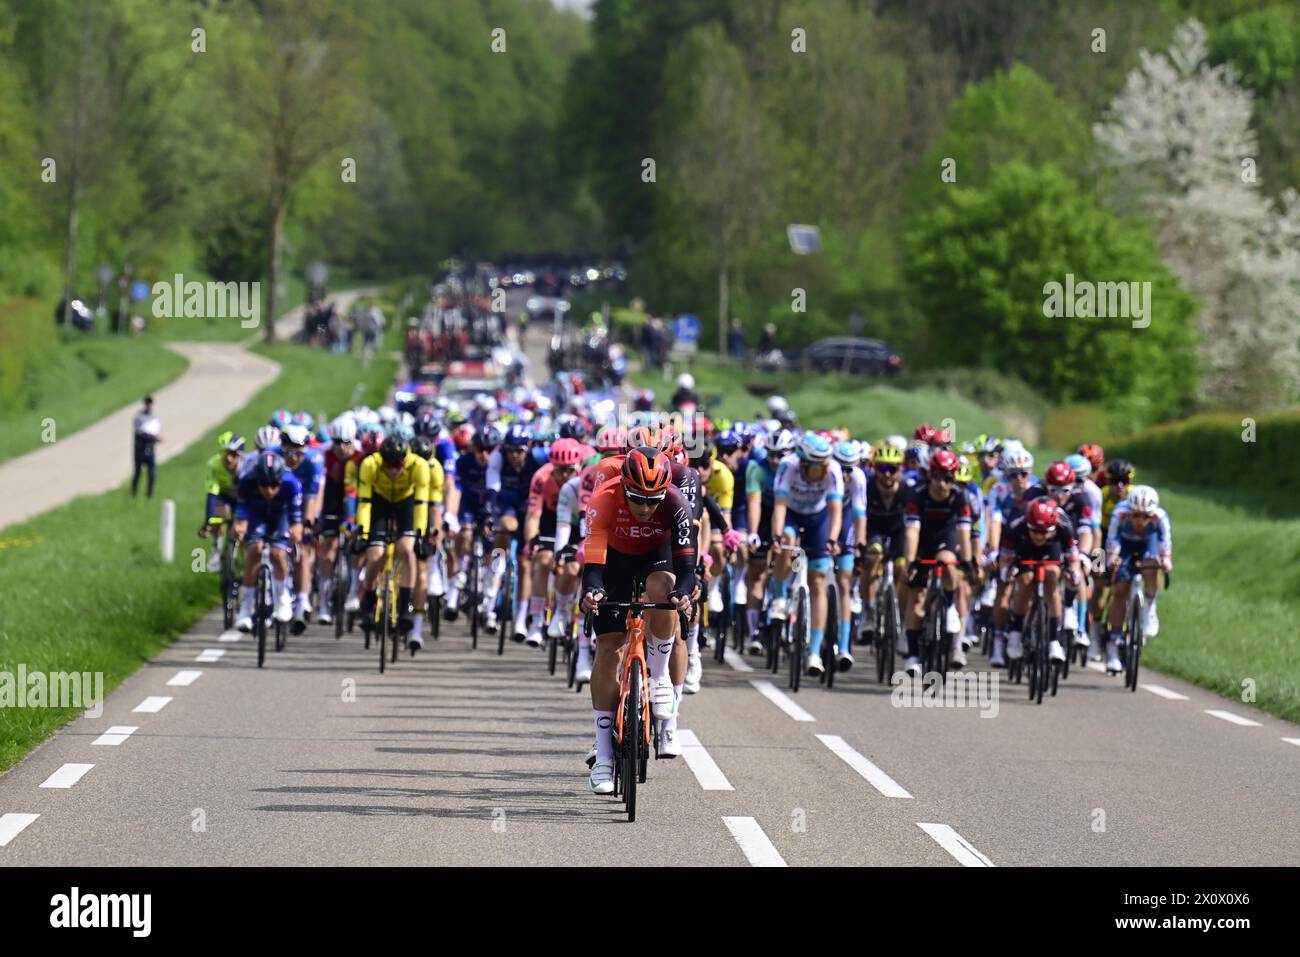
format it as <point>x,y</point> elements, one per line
<point>693,639</point>
<point>604,734</point>
<point>246,601</point>
<point>417,624</point>
<point>537,609</point>
<point>564,605</point>
<point>657,652</point>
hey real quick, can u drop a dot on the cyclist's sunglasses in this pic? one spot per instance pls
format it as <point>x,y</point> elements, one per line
<point>1060,489</point>
<point>513,451</point>
<point>270,485</point>
<point>643,500</point>
<point>1121,481</point>
<point>1018,473</point>
<point>946,477</point>
<point>887,469</point>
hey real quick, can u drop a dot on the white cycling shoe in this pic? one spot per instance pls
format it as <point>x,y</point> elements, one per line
<point>244,623</point>
<point>998,656</point>
<point>814,667</point>
<point>1055,651</point>
<point>777,609</point>
<point>284,608</point>
<point>352,603</point>
<point>958,656</point>
<point>556,627</point>
<point>669,746</point>
<point>1082,640</point>
<point>912,666</point>
<point>534,639</point>
<point>325,617</point>
<point>1113,665</point>
<point>663,700</point>
<point>755,647</point>
<point>952,621</point>
<point>1150,622</point>
<point>694,671</point>
<point>591,757</point>
<point>1015,648</point>
<point>602,777</point>
<point>843,660</point>
<point>1070,619</point>
<point>214,562</point>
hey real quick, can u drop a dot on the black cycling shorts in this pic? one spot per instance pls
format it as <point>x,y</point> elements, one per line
<point>401,513</point>
<point>621,571</point>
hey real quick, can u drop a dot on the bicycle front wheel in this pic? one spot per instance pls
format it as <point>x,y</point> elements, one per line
<point>631,743</point>
<point>798,638</point>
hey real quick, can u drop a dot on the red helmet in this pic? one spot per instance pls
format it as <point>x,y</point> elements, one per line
<point>651,436</point>
<point>1093,453</point>
<point>1059,474</point>
<point>566,453</point>
<point>370,442</point>
<point>941,437</point>
<point>611,439</point>
<point>925,433</point>
<point>462,435</point>
<point>945,462</point>
<point>646,473</point>
<point>1042,514</point>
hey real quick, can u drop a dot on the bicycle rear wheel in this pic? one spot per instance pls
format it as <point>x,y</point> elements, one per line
<point>262,611</point>
<point>1133,639</point>
<point>381,626</point>
<point>506,620</point>
<point>552,650</point>
<point>229,583</point>
<point>830,644</point>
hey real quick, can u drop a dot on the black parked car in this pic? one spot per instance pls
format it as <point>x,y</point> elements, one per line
<point>852,355</point>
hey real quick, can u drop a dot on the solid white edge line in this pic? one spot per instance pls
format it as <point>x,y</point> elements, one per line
<point>877,778</point>
<point>183,679</point>
<point>779,698</point>
<point>1295,741</point>
<point>116,735</point>
<point>701,763</point>
<point>1162,692</point>
<point>754,844</point>
<point>12,824</point>
<point>735,661</point>
<point>66,776</point>
<point>961,849</point>
<point>152,704</point>
<point>1233,718</point>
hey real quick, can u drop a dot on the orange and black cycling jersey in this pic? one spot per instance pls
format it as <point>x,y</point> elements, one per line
<point>611,525</point>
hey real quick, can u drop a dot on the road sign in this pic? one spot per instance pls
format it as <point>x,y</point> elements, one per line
<point>686,327</point>
<point>804,240</point>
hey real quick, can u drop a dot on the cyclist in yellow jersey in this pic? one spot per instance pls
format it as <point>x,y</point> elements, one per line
<point>422,446</point>
<point>392,486</point>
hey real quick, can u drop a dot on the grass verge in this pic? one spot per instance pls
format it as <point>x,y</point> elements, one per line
<point>84,379</point>
<point>82,588</point>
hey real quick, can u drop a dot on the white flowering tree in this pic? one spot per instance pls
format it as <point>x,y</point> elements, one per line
<point>1179,140</point>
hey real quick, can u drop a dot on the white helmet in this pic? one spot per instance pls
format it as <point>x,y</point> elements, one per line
<point>776,405</point>
<point>686,381</point>
<point>1017,457</point>
<point>387,414</point>
<point>267,437</point>
<point>896,441</point>
<point>782,442</point>
<point>343,430</point>
<point>772,426</point>
<point>1143,500</point>
<point>296,435</point>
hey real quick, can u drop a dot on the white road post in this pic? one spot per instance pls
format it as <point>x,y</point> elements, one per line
<point>168,540</point>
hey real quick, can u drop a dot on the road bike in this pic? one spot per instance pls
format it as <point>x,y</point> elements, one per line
<point>635,730</point>
<point>888,619</point>
<point>232,572</point>
<point>1135,625</point>
<point>793,634</point>
<point>1042,671</point>
<point>264,605</point>
<point>936,643</point>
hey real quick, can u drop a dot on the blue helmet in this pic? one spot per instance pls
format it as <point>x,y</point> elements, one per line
<point>813,448</point>
<point>727,442</point>
<point>1080,464</point>
<point>427,424</point>
<point>488,437</point>
<point>306,420</point>
<point>848,453</point>
<point>516,437</point>
<point>269,469</point>
<point>281,419</point>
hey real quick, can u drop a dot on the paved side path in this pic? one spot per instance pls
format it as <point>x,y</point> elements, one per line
<point>220,380</point>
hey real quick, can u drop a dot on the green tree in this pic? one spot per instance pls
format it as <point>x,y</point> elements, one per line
<point>980,263</point>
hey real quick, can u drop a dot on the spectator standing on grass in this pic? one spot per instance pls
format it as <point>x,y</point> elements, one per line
<point>736,340</point>
<point>768,340</point>
<point>147,430</point>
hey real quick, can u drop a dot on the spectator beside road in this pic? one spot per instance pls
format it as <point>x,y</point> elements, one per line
<point>147,431</point>
<point>736,345</point>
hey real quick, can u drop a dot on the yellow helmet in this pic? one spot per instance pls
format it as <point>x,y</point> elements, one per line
<point>887,455</point>
<point>964,473</point>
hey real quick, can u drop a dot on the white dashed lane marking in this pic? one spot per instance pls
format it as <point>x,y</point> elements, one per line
<point>877,778</point>
<point>183,679</point>
<point>701,763</point>
<point>115,735</point>
<point>1233,718</point>
<point>754,844</point>
<point>12,824</point>
<point>1162,692</point>
<point>961,849</point>
<point>781,700</point>
<point>152,704</point>
<point>211,654</point>
<point>66,776</point>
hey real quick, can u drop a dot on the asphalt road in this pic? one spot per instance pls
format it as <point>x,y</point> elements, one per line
<point>462,757</point>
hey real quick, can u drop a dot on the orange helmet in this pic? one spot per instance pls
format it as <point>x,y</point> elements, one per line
<point>611,439</point>
<point>650,436</point>
<point>1094,454</point>
<point>647,473</point>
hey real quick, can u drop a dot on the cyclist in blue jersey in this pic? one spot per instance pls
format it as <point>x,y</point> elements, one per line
<point>508,476</point>
<point>850,456</point>
<point>1139,531</point>
<point>308,466</point>
<point>759,477</point>
<point>268,510</point>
